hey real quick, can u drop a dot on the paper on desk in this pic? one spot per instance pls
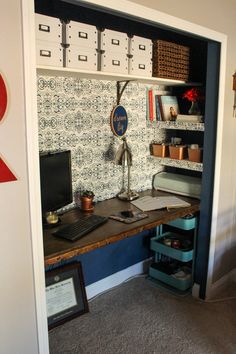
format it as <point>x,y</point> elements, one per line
<point>153,203</point>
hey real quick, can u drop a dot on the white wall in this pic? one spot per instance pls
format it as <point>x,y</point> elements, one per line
<point>18,292</point>
<point>219,16</point>
<point>18,308</point>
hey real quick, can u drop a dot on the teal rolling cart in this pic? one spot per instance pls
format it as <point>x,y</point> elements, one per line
<point>173,248</point>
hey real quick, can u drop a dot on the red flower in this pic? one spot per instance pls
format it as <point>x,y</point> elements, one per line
<point>193,95</point>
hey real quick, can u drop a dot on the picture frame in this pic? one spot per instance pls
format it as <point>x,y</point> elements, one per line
<point>119,121</point>
<point>65,294</point>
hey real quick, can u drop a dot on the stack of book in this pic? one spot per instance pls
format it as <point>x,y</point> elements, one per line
<point>166,108</point>
<point>161,107</point>
<point>189,118</point>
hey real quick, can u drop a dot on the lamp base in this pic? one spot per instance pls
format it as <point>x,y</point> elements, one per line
<point>125,195</point>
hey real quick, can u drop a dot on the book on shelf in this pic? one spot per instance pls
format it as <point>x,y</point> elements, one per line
<point>158,111</point>
<point>168,106</point>
<point>151,110</point>
<point>189,118</point>
<point>147,106</point>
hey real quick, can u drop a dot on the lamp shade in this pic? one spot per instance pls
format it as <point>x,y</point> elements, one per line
<point>124,155</point>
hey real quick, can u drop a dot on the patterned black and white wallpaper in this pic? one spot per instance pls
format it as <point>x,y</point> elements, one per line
<point>75,114</point>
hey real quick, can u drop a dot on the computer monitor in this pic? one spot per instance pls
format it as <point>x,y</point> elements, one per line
<point>56,181</point>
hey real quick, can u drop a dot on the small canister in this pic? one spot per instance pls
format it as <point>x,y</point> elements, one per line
<point>175,243</point>
<point>167,241</point>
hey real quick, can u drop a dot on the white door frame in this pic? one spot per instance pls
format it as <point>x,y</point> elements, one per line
<point>122,6</point>
<point>30,88</point>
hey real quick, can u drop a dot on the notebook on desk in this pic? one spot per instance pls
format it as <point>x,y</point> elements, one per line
<point>149,203</point>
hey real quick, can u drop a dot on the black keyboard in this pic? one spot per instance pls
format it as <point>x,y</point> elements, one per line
<point>84,225</point>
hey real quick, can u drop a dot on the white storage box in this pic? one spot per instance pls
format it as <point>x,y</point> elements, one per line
<point>48,28</point>
<point>140,66</point>
<point>49,53</point>
<point>114,41</point>
<point>81,58</point>
<point>81,35</point>
<point>114,62</point>
<point>140,47</point>
<point>140,50</point>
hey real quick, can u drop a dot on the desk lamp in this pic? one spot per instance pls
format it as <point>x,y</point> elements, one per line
<point>124,157</point>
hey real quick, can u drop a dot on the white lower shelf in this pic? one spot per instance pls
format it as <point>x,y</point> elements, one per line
<point>185,164</point>
<point>177,125</point>
<point>181,125</point>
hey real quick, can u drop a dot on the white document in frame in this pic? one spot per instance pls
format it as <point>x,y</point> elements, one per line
<point>60,297</point>
<point>153,203</point>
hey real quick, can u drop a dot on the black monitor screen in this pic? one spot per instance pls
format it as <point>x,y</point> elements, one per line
<point>56,183</point>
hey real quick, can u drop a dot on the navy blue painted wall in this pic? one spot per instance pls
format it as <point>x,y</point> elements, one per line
<point>204,231</point>
<point>105,261</point>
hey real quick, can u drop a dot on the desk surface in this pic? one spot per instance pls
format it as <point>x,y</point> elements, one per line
<point>56,249</point>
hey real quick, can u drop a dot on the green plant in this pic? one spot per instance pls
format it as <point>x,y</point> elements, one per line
<point>87,193</point>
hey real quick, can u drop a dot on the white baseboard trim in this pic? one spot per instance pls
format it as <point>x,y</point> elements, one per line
<point>117,278</point>
<point>221,284</point>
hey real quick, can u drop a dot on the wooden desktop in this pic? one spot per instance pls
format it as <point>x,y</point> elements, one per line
<point>57,249</point>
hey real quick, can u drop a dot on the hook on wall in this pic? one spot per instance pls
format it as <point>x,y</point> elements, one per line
<point>120,89</point>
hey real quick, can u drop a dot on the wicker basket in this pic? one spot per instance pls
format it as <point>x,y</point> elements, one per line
<point>170,60</point>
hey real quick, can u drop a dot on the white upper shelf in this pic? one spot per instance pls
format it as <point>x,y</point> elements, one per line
<point>99,75</point>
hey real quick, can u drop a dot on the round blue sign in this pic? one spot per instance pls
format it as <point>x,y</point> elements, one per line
<point>119,120</point>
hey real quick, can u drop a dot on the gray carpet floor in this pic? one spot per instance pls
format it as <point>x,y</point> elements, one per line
<point>139,318</point>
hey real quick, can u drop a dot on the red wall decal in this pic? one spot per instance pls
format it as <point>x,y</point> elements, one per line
<point>3,97</point>
<point>5,174</point>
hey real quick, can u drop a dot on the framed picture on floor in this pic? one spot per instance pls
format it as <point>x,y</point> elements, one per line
<point>65,294</point>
